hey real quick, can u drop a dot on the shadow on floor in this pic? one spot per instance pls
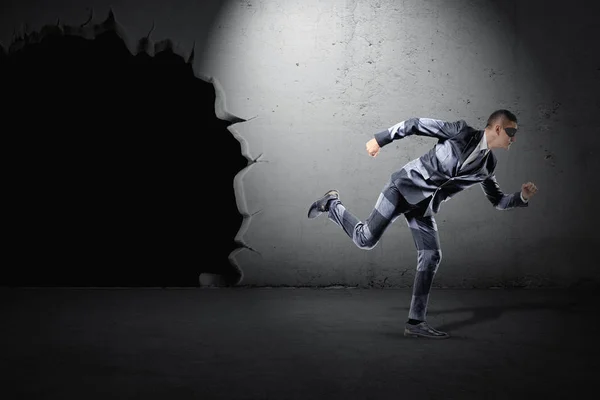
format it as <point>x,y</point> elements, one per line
<point>490,313</point>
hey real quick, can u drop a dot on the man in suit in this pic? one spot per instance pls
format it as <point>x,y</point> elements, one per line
<point>461,158</point>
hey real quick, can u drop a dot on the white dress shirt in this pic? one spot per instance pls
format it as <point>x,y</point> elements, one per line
<point>482,146</point>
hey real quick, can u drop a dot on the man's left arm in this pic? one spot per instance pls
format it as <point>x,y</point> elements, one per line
<point>502,201</point>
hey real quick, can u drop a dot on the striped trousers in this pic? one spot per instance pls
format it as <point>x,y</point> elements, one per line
<point>389,206</point>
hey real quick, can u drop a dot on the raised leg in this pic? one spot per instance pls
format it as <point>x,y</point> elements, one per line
<point>390,204</point>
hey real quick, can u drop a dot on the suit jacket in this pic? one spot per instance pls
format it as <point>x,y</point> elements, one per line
<point>437,173</point>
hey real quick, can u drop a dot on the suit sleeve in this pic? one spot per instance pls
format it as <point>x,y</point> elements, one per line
<point>419,126</point>
<point>499,200</point>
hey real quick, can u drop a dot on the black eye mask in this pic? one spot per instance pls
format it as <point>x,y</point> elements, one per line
<point>511,131</point>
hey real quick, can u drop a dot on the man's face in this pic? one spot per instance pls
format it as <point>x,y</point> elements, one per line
<point>505,129</point>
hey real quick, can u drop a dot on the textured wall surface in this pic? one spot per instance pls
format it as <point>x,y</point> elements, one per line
<point>316,79</point>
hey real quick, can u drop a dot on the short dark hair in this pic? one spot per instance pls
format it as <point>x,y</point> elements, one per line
<point>499,114</point>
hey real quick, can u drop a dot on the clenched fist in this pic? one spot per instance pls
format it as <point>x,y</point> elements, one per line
<point>528,189</point>
<point>373,147</point>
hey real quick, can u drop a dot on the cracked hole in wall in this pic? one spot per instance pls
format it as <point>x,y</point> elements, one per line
<point>119,172</point>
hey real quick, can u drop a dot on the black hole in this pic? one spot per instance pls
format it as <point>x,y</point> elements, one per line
<point>119,172</point>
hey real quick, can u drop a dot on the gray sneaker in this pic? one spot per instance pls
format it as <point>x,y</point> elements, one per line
<point>424,330</point>
<point>320,206</point>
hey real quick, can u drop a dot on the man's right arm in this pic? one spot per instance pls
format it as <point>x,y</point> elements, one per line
<point>500,200</point>
<point>419,126</point>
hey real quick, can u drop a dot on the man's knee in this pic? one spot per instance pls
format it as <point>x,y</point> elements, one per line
<point>366,245</point>
<point>364,240</point>
<point>429,259</point>
<point>436,257</point>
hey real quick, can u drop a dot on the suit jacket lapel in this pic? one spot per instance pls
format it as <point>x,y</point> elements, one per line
<point>476,165</point>
<point>480,169</point>
<point>468,149</point>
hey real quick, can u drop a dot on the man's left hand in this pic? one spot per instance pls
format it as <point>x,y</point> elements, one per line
<point>528,189</point>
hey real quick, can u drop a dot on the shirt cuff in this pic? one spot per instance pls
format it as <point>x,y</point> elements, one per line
<point>522,199</point>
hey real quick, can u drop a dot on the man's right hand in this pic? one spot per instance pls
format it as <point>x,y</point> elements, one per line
<point>373,147</point>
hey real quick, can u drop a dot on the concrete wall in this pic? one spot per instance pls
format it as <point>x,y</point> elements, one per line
<point>316,79</point>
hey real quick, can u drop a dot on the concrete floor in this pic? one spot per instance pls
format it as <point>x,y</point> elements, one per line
<point>295,344</point>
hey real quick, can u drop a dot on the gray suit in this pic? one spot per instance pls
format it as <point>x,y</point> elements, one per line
<point>417,190</point>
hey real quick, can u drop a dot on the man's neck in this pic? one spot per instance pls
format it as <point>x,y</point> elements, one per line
<point>489,139</point>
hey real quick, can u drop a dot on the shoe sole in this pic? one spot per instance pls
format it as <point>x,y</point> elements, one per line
<point>313,210</point>
<point>408,333</point>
